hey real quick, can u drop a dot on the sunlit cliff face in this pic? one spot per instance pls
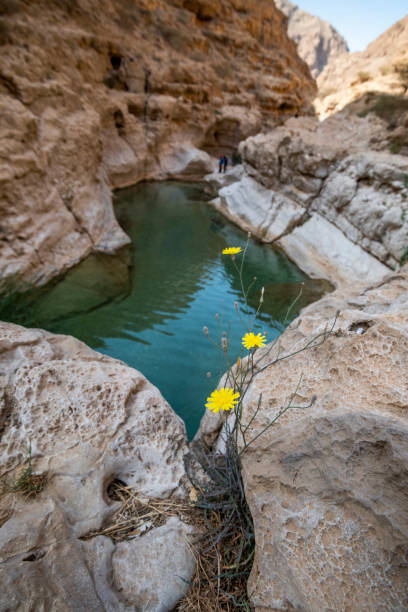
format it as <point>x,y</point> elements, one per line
<point>94,98</point>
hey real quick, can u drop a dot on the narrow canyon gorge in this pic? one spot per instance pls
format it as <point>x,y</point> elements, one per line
<point>98,97</point>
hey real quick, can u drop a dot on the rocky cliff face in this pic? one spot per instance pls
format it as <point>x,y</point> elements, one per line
<point>318,190</point>
<point>368,81</point>
<point>94,98</point>
<point>318,43</point>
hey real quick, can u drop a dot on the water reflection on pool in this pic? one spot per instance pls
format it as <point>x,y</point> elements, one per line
<point>151,314</point>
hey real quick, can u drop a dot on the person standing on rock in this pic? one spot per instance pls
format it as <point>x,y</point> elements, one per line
<point>225,163</point>
<point>220,163</point>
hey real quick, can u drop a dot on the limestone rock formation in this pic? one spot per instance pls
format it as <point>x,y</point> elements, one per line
<point>89,420</point>
<point>336,207</point>
<point>371,81</point>
<point>318,43</point>
<point>166,561</point>
<point>95,99</point>
<point>327,485</point>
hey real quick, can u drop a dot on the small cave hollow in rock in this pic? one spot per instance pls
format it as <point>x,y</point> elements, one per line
<point>360,327</point>
<point>111,489</point>
<point>116,61</point>
<point>35,555</point>
<point>119,120</point>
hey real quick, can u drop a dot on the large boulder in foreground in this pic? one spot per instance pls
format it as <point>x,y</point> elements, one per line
<point>327,485</point>
<point>89,420</point>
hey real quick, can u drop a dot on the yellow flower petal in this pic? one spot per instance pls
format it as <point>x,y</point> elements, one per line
<point>222,399</point>
<point>251,340</point>
<point>232,251</point>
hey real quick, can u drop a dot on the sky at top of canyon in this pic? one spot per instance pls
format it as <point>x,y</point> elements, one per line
<point>358,21</point>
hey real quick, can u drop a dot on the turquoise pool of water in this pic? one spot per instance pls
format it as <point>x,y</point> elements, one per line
<point>148,305</point>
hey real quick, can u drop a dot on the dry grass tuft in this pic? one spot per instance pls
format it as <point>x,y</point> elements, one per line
<point>27,483</point>
<point>32,485</point>
<point>216,585</point>
<point>226,549</point>
<point>137,516</point>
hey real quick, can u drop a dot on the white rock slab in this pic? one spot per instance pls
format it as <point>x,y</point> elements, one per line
<point>186,161</point>
<point>321,250</point>
<point>89,420</point>
<point>261,211</point>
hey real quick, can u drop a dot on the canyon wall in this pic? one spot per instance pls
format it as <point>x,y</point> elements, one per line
<point>91,100</point>
<point>95,99</point>
<point>374,82</point>
<point>318,43</point>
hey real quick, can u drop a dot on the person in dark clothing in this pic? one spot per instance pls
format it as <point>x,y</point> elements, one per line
<point>225,163</point>
<point>220,163</point>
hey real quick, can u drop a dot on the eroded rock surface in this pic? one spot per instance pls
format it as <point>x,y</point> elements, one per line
<point>89,420</point>
<point>327,485</point>
<point>338,208</point>
<point>91,100</point>
<point>164,557</point>
<point>318,43</point>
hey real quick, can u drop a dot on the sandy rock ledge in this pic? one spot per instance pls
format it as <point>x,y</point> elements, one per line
<point>90,419</point>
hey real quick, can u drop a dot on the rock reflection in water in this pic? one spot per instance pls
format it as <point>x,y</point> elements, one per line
<point>172,249</point>
<point>94,282</point>
<point>284,285</point>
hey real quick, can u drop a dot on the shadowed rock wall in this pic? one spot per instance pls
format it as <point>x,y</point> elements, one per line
<point>355,80</point>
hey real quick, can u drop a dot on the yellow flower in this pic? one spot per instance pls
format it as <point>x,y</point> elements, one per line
<point>222,399</point>
<point>232,251</point>
<point>251,340</point>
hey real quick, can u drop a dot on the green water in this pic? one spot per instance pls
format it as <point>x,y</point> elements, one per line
<point>148,305</point>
